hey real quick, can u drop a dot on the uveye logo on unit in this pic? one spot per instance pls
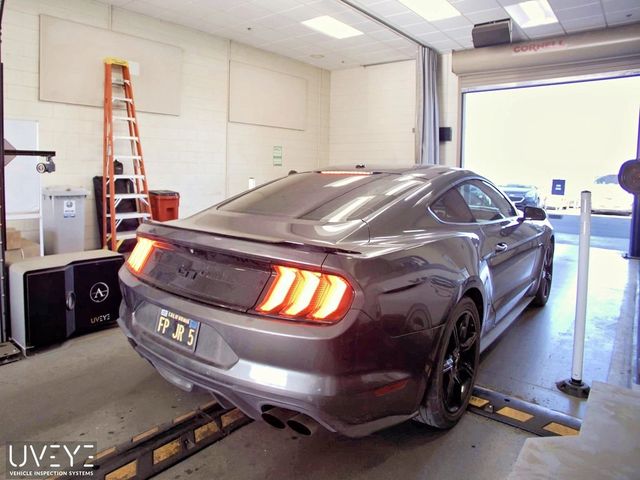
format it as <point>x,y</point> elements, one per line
<point>99,292</point>
<point>28,460</point>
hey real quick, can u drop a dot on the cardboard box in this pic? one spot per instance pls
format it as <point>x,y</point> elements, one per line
<point>14,239</point>
<point>28,249</point>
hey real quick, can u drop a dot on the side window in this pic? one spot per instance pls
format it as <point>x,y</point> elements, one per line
<point>502,203</point>
<point>486,204</point>
<point>451,207</point>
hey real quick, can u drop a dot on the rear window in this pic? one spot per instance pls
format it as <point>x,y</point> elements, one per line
<point>326,197</point>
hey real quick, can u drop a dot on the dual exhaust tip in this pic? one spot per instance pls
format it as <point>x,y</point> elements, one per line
<point>281,418</point>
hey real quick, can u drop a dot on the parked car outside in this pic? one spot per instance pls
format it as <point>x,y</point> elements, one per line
<point>522,195</point>
<point>607,196</point>
<point>350,298</point>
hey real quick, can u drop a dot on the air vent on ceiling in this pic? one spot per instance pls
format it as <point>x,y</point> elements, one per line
<point>497,32</point>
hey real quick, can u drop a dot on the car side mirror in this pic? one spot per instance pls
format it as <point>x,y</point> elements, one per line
<point>533,213</point>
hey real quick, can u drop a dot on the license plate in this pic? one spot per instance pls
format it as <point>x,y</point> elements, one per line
<point>177,328</point>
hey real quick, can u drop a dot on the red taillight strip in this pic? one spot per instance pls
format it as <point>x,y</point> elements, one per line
<point>332,297</point>
<point>140,254</point>
<point>306,294</point>
<point>285,278</point>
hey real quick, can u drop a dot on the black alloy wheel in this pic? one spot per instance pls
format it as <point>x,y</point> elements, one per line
<point>459,368</point>
<point>455,372</point>
<point>546,277</point>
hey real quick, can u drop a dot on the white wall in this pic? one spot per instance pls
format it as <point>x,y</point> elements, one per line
<point>373,115</point>
<point>197,153</point>
<point>448,103</point>
<point>250,147</point>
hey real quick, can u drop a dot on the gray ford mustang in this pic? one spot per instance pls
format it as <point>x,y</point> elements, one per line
<point>352,298</point>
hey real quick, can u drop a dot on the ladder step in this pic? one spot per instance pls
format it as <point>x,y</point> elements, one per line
<point>124,235</point>
<point>124,137</point>
<point>120,83</point>
<point>130,215</point>
<point>128,196</point>
<point>124,119</point>
<point>122,99</point>
<point>127,157</point>
<point>128,177</point>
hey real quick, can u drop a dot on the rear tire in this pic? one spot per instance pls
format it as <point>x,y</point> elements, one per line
<point>546,276</point>
<point>455,372</point>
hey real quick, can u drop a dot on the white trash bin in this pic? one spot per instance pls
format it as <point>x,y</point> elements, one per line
<point>63,218</point>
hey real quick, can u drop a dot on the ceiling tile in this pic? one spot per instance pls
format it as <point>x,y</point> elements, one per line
<point>563,4</point>
<point>460,33</point>
<point>545,30</point>
<point>586,23</point>
<point>249,11</point>
<point>431,37</point>
<point>619,5</point>
<point>384,8</point>
<point>450,23</point>
<point>405,18</point>
<point>420,28</point>
<point>384,34</point>
<point>470,6</point>
<point>276,5</point>
<point>621,17</point>
<point>588,10</point>
<point>487,15</point>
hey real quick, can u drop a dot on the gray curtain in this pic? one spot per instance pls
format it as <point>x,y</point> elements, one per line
<point>427,124</point>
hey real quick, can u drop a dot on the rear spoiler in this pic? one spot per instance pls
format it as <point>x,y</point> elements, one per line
<point>149,230</point>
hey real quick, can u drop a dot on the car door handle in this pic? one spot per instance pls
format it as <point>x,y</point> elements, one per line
<point>501,247</point>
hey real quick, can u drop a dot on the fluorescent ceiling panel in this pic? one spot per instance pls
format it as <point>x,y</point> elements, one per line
<point>332,27</point>
<point>431,10</point>
<point>532,13</point>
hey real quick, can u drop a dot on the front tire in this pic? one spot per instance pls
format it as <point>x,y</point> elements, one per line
<point>455,373</point>
<point>546,276</point>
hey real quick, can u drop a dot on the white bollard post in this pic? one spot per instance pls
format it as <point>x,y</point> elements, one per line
<point>575,386</point>
<point>252,183</point>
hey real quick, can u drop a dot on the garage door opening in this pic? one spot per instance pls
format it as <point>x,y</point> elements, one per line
<point>543,144</point>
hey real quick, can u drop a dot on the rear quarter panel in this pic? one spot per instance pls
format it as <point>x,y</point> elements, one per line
<point>408,290</point>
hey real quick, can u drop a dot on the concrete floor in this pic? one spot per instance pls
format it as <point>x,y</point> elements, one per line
<point>96,388</point>
<point>536,351</point>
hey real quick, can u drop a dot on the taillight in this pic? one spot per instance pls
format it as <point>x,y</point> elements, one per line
<point>140,254</point>
<point>305,294</point>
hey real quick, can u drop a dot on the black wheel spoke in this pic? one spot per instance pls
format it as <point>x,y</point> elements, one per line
<point>450,389</point>
<point>468,369</point>
<point>469,342</point>
<point>456,338</point>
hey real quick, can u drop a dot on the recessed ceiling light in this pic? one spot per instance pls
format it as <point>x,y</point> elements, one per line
<point>316,55</point>
<point>432,10</point>
<point>532,13</point>
<point>332,27</point>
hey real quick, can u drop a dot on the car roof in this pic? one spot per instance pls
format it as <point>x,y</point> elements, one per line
<point>427,172</point>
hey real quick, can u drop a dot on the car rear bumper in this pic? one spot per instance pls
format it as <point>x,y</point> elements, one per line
<point>331,373</point>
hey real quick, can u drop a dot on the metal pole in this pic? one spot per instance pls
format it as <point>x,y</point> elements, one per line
<point>3,214</point>
<point>583,287</point>
<point>575,385</point>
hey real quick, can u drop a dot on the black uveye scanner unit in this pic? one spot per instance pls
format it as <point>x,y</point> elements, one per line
<point>58,296</point>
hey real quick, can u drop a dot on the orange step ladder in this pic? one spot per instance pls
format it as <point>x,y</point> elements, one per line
<point>121,143</point>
